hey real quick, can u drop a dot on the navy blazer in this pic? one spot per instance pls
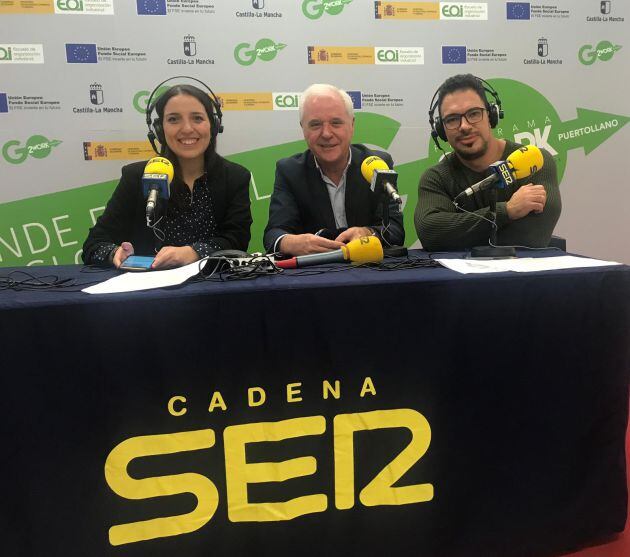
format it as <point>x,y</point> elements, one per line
<point>300,203</point>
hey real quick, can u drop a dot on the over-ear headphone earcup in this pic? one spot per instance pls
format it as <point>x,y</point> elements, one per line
<point>494,115</point>
<point>216,126</point>
<point>217,115</point>
<point>159,132</point>
<point>439,129</point>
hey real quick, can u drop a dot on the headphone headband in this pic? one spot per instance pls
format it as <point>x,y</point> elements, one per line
<point>495,112</point>
<point>155,126</point>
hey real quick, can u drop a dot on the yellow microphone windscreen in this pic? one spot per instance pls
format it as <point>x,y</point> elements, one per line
<point>367,249</point>
<point>370,164</point>
<point>160,165</point>
<point>525,161</point>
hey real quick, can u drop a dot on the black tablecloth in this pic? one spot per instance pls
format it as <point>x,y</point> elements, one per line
<point>521,378</point>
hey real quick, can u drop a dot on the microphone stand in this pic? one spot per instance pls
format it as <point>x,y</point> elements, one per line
<point>493,251</point>
<point>391,251</point>
<point>385,205</point>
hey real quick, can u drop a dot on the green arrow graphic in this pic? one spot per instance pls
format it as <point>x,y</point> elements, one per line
<point>589,130</point>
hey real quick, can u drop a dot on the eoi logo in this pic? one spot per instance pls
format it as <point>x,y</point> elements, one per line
<point>70,5</point>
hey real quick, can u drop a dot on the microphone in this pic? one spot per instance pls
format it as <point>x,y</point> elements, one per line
<point>523,162</point>
<point>501,175</point>
<point>367,249</point>
<point>158,174</point>
<point>376,171</point>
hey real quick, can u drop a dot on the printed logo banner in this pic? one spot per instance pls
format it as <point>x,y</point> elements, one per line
<point>453,55</point>
<point>151,7</point>
<point>36,146</point>
<point>464,11</point>
<point>392,55</point>
<point>604,51</point>
<point>245,101</point>
<point>84,7</point>
<point>81,53</point>
<point>406,10</point>
<point>21,54</point>
<point>341,55</point>
<point>27,7</point>
<point>518,10</point>
<point>117,150</point>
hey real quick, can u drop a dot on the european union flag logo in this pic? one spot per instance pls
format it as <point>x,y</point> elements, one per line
<point>356,99</point>
<point>81,53</point>
<point>453,55</point>
<point>151,7</point>
<point>518,10</point>
<point>4,105</point>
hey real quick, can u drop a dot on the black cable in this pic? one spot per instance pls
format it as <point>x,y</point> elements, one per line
<point>20,280</point>
<point>89,269</point>
<point>225,269</point>
<point>495,227</point>
<point>407,263</point>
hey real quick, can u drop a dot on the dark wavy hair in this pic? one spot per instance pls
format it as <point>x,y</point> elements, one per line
<point>210,155</point>
<point>204,99</point>
<point>461,82</point>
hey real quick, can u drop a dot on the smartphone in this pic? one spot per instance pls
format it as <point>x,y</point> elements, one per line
<point>137,263</point>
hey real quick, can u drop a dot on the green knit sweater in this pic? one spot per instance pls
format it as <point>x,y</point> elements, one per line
<point>441,227</point>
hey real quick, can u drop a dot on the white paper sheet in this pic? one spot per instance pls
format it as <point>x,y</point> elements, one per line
<point>130,281</point>
<point>522,265</point>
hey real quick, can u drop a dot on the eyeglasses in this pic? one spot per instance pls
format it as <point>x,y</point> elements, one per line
<point>453,121</point>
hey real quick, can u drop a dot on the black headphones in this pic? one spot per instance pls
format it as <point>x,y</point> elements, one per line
<point>495,112</point>
<point>156,131</point>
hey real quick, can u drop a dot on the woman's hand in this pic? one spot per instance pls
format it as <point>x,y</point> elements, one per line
<point>124,251</point>
<point>170,256</point>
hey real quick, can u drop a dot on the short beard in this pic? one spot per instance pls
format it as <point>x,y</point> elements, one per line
<point>471,156</point>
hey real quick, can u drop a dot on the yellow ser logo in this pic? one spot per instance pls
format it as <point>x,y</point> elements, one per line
<point>240,473</point>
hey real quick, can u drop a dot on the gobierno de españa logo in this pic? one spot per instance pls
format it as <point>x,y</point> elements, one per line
<point>314,9</point>
<point>37,146</point>
<point>265,50</point>
<point>604,51</point>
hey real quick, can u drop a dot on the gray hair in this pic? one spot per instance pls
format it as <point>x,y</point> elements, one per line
<point>324,89</point>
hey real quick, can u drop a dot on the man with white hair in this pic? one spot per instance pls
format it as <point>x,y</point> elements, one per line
<point>320,199</point>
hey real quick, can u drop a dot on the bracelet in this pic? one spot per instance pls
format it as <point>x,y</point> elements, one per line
<point>110,257</point>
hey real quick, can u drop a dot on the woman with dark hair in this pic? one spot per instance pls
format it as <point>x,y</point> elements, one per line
<point>208,208</point>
